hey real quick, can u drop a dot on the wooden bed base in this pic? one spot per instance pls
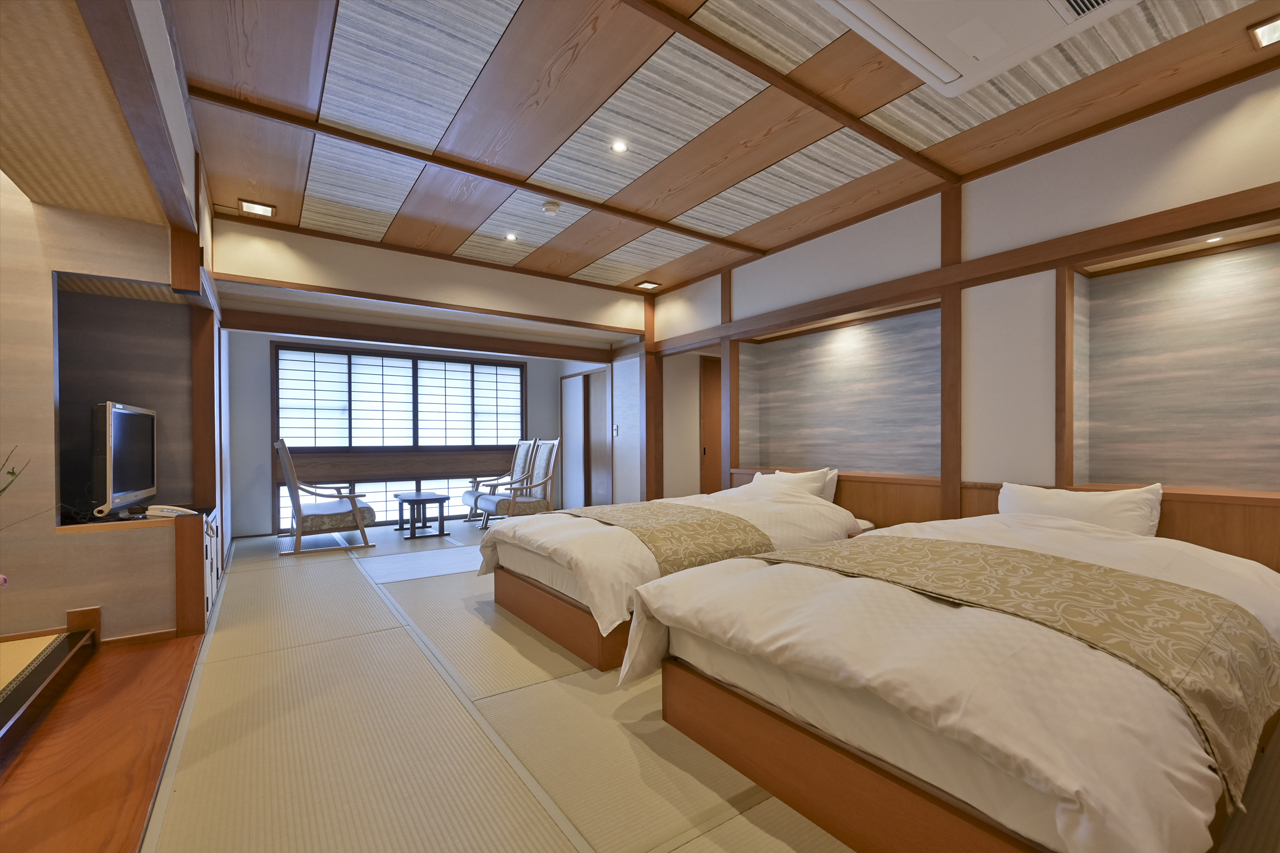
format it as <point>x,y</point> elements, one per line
<point>862,801</point>
<point>560,619</point>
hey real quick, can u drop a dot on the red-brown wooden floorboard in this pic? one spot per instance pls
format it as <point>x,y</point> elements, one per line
<point>85,778</point>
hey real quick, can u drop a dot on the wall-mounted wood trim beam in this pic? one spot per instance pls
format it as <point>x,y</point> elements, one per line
<point>726,296</point>
<point>1064,373</point>
<point>1216,249</point>
<point>458,166</point>
<point>1235,210</point>
<point>952,225</point>
<point>729,401</point>
<point>426,303</point>
<point>705,38</point>
<point>629,351</point>
<point>115,35</point>
<point>204,427</point>
<point>288,324</point>
<point>650,408</point>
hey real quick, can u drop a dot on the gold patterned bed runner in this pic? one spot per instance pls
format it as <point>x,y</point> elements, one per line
<point>682,536</point>
<point>1213,655</point>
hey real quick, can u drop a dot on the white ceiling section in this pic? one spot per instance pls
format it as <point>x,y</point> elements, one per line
<point>923,117</point>
<point>355,190</point>
<point>400,70</point>
<point>678,93</point>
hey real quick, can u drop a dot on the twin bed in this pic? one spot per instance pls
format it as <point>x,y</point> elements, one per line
<point>1053,677</point>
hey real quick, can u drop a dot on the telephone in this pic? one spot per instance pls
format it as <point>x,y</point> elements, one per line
<point>162,511</point>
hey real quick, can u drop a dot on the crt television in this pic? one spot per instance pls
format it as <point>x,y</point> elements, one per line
<point>124,456</point>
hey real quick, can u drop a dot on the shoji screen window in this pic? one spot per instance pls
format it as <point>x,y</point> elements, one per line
<point>444,404</point>
<point>381,401</point>
<point>314,398</point>
<point>498,399</point>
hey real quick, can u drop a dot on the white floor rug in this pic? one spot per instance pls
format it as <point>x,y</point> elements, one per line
<point>421,564</point>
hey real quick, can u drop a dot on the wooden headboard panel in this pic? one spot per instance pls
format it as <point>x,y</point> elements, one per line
<point>1246,524</point>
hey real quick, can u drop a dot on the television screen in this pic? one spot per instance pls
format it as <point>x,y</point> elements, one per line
<point>124,456</point>
<point>133,455</point>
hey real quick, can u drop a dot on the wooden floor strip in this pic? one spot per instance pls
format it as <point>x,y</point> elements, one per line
<point>84,780</point>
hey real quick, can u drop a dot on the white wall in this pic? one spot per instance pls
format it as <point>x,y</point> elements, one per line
<point>248,250</point>
<point>250,412</point>
<point>688,309</point>
<point>899,243</point>
<point>129,574</point>
<point>1215,145</point>
<point>1007,381</point>
<point>681,436</point>
<point>626,444</point>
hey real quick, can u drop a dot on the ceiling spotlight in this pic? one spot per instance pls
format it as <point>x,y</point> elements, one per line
<point>257,209</point>
<point>1266,33</point>
<point>648,285</point>
<point>1213,239</point>
<point>511,236</point>
<point>620,147</point>
<point>551,208</point>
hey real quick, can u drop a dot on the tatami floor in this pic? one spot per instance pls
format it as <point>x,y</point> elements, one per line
<point>378,700</point>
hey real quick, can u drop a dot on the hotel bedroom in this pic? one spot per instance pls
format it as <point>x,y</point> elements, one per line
<point>625,426</point>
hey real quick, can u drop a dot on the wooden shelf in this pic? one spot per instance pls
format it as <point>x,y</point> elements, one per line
<point>110,526</point>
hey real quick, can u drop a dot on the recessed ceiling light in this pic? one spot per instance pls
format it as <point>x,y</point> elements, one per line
<point>648,285</point>
<point>511,236</point>
<point>1266,33</point>
<point>257,209</point>
<point>620,147</point>
<point>1213,239</point>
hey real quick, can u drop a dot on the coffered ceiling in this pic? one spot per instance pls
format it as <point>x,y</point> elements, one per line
<point>458,120</point>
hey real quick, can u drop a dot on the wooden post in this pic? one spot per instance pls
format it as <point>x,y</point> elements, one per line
<point>729,411</point>
<point>188,562</point>
<point>1064,405</point>
<point>204,426</point>
<point>952,400</point>
<point>726,297</point>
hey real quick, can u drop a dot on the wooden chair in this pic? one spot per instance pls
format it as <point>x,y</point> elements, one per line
<point>521,465</point>
<point>344,512</point>
<point>530,499</point>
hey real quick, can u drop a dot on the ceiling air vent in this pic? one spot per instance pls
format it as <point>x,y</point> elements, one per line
<point>956,45</point>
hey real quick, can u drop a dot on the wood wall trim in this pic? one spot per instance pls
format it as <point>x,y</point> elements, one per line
<point>112,526</point>
<point>951,448</point>
<point>730,389</point>
<point>140,639</point>
<point>115,35</point>
<point>932,305</point>
<point>1234,210</point>
<point>404,250</point>
<point>863,801</point>
<point>270,114</point>
<point>1064,378</point>
<point>726,296</point>
<point>650,408</point>
<point>286,324</point>
<point>426,303</point>
<point>188,563</point>
<point>859,476</point>
<point>701,36</point>
<point>319,466</point>
<point>952,225</point>
<point>1184,256</point>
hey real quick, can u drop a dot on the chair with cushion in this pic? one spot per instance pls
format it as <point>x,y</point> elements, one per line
<point>521,462</point>
<point>531,498</point>
<point>343,512</point>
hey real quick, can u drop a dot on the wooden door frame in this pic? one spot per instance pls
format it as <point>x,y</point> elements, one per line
<point>607,370</point>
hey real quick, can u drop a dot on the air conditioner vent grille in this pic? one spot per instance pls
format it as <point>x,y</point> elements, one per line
<point>1084,7</point>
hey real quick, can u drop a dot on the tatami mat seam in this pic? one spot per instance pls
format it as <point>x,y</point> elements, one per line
<point>455,684</point>
<point>304,645</point>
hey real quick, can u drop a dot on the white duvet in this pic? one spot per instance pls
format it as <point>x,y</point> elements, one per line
<point>610,562</point>
<point>1118,752</point>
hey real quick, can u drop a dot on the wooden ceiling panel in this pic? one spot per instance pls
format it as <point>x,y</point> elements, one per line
<point>645,253</point>
<point>554,67</point>
<point>691,267</point>
<point>842,157</point>
<point>593,236</point>
<point>780,33</point>
<point>894,183</point>
<point>248,158</point>
<point>263,51</point>
<point>1209,53</point>
<point>855,75</point>
<point>399,71</point>
<point>443,209</point>
<point>680,92</point>
<point>522,217</point>
<point>753,137</point>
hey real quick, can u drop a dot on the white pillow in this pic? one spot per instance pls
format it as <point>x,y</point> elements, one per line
<point>1127,510</point>
<point>821,483</point>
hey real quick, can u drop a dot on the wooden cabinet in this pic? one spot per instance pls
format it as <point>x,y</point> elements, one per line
<point>199,570</point>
